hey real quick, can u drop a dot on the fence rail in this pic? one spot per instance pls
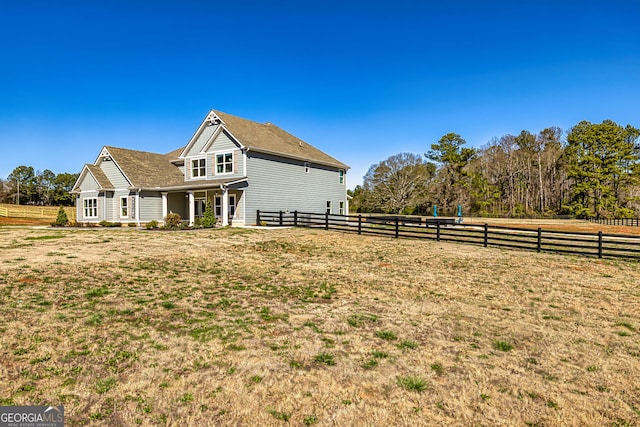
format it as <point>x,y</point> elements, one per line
<point>27,211</point>
<point>630,222</point>
<point>573,242</point>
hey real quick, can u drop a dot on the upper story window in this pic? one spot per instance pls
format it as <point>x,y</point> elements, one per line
<point>90,208</point>
<point>306,167</point>
<point>198,168</point>
<point>224,163</point>
<point>341,176</point>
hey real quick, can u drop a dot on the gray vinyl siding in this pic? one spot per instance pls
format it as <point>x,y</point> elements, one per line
<point>224,144</point>
<point>238,165</point>
<point>202,140</point>
<point>108,208</point>
<point>150,206</point>
<point>89,183</point>
<point>80,206</point>
<point>113,173</point>
<point>277,183</point>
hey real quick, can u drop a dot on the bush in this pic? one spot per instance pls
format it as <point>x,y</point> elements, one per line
<point>151,225</point>
<point>61,219</point>
<point>208,218</point>
<point>172,221</point>
<point>106,223</point>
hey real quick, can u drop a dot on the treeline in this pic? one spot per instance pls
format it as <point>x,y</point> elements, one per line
<point>591,171</point>
<point>28,187</point>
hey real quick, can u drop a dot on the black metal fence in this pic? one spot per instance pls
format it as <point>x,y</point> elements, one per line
<point>629,222</point>
<point>448,230</point>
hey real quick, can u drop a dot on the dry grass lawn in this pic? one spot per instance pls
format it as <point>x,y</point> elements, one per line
<point>307,327</point>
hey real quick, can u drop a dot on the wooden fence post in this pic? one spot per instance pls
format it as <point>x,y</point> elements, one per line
<point>486,234</point>
<point>397,230</point>
<point>258,217</point>
<point>280,217</point>
<point>437,231</point>
<point>295,218</point>
<point>326,220</point>
<point>359,224</point>
<point>539,246</point>
<point>599,244</point>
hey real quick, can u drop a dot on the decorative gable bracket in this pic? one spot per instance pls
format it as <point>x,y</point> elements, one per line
<point>104,154</point>
<point>213,118</point>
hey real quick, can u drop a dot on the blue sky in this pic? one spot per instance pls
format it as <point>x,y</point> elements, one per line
<point>360,80</point>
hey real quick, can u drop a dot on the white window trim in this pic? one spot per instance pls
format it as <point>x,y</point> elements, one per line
<point>341,207</point>
<point>88,210</point>
<point>215,162</point>
<point>329,207</point>
<point>306,167</point>
<point>126,206</point>
<point>198,159</point>
<point>217,207</point>
<point>232,206</point>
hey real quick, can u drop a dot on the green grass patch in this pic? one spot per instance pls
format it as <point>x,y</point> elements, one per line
<point>412,383</point>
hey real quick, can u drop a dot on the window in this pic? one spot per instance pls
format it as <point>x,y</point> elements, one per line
<point>198,168</point>
<point>124,207</point>
<point>91,208</point>
<point>232,205</point>
<point>341,208</point>
<point>328,206</point>
<point>341,176</point>
<point>306,167</point>
<point>218,206</point>
<point>224,163</point>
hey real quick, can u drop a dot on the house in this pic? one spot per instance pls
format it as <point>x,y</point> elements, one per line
<point>237,164</point>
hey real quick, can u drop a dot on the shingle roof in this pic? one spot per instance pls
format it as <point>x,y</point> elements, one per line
<point>147,170</point>
<point>272,139</point>
<point>100,176</point>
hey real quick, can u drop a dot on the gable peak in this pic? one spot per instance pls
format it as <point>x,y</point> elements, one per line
<point>104,154</point>
<point>213,118</point>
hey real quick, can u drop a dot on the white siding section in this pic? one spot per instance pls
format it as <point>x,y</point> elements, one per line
<point>113,173</point>
<point>281,184</point>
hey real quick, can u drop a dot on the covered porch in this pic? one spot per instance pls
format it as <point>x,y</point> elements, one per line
<point>190,204</point>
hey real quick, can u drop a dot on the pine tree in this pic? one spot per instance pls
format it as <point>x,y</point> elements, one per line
<point>61,219</point>
<point>208,219</point>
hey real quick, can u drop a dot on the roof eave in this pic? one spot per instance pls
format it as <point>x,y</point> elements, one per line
<point>336,164</point>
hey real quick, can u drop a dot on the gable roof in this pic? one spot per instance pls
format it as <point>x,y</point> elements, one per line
<point>100,176</point>
<point>146,170</point>
<point>269,138</point>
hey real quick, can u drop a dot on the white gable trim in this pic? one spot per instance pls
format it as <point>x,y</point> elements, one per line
<point>81,177</point>
<point>104,154</point>
<point>221,129</point>
<point>211,119</point>
<point>211,140</point>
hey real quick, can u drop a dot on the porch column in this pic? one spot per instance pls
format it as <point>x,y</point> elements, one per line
<point>192,208</point>
<point>164,205</point>
<point>225,206</point>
